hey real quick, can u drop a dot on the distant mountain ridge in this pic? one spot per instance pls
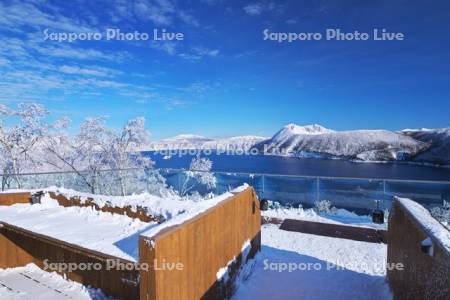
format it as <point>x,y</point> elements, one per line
<point>191,141</point>
<point>318,141</point>
<point>315,141</point>
<point>438,140</point>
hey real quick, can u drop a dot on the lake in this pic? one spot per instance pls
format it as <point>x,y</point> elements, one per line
<point>309,167</point>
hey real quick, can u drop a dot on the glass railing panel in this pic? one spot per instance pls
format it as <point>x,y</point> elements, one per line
<point>229,181</point>
<point>354,194</point>
<point>290,190</point>
<point>427,193</point>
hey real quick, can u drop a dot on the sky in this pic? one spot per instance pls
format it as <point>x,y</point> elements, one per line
<point>224,78</point>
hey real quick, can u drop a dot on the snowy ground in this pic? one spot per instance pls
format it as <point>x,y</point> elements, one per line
<point>30,282</point>
<point>334,216</point>
<point>112,234</point>
<point>338,268</point>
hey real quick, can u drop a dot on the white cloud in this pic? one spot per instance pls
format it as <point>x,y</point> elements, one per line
<point>168,47</point>
<point>91,71</point>
<point>18,14</point>
<point>159,12</point>
<point>257,8</point>
<point>3,62</point>
<point>65,51</point>
<point>291,21</point>
<point>254,9</point>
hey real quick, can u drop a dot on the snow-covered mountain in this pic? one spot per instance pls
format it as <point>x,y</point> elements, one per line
<point>190,141</point>
<point>317,141</point>
<point>439,144</point>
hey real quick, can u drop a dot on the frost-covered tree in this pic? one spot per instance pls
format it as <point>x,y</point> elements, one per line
<point>98,158</point>
<point>122,153</point>
<point>199,173</point>
<point>21,130</point>
<point>86,154</point>
<point>96,149</point>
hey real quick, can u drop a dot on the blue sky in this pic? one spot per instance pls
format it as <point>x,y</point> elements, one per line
<point>224,79</point>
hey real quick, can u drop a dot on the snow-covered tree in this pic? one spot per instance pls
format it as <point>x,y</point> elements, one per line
<point>122,153</point>
<point>98,148</point>
<point>199,173</point>
<point>21,130</point>
<point>85,154</point>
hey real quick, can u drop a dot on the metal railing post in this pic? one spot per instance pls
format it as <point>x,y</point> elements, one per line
<point>317,189</point>
<point>263,184</point>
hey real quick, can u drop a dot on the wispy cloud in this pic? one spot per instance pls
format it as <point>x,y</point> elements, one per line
<point>258,8</point>
<point>159,12</point>
<point>291,21</point>
<point>192,54</point>
<point>34,69</point>
<point>15,15</point>
<point>92,71</point>
<point>254,9</point>
<point>73,52</point>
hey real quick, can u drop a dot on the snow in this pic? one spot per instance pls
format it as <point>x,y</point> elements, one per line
<point>241,188</point>
<point>294,129</point>
<point>119,233</point>
<point>167,207</point>
<point>336,216</point>
<point>426,220</point>
<point>112,234</point>
<point>191,141</point>
<point>222,274</point>
<point>362,144</point>
<point>335,268</point>
<point>30,282</point>
<point>200,207</point>
<point>439,140</point>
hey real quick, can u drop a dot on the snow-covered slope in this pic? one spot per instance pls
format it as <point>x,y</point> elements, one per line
<point>315,140</point>
<point>190,141</point>
<point>293,129</point>
<point>439,141</point>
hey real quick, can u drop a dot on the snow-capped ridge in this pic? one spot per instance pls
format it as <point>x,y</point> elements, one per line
<point>307,129</point>
<point>317,141</point>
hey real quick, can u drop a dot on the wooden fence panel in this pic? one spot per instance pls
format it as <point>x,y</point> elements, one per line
<point>424,276</point>
<point>20,247</point>
<point>203,245</point>
<point>14,198</point>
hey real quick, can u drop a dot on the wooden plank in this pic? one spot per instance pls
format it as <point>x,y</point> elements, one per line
<point>334,230</point>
